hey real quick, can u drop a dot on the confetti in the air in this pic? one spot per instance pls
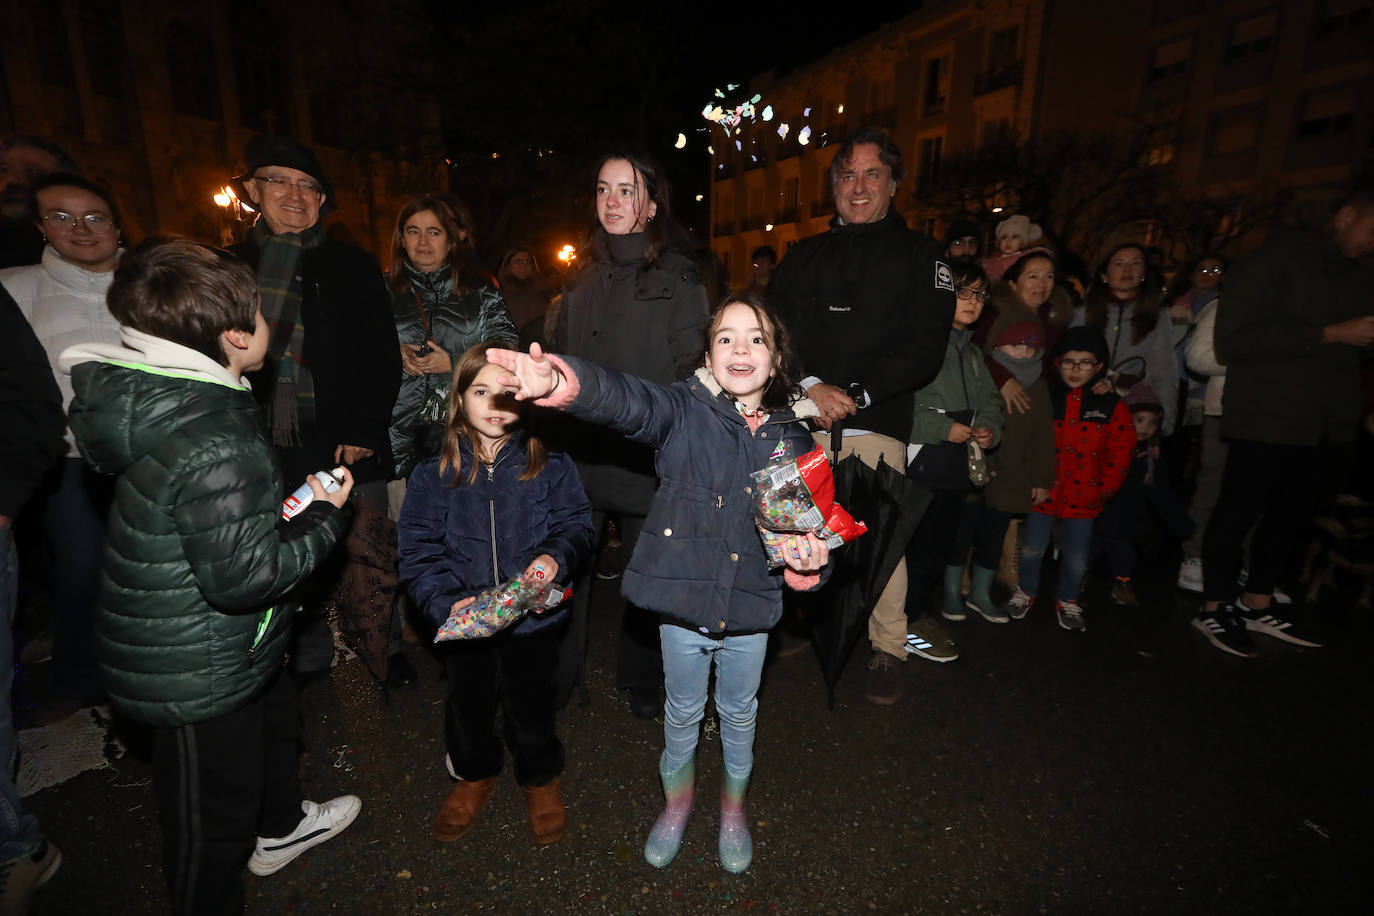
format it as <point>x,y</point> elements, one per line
<point>768,112</point>
<point>681,141</point>
<point>804,136</point>
<point>783,129</point>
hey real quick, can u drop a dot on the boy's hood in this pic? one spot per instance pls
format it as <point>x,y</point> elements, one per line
<point>129,398</point>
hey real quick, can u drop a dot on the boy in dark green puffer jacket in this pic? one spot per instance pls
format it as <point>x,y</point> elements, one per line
<point>199,566</point>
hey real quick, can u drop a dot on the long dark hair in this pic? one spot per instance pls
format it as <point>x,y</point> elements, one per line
<point>661,231</point>
<point>1145,312</point>
<point>461,257</point>
<point>784,387</point>
<point>460,430</point>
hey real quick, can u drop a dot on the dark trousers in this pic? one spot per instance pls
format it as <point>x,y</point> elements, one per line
<point>74,509</point>
<point>1274,484</point>
<point>219,785</point>
<point>513,676</point>
<point>639,652</point>
<point>990,536</point>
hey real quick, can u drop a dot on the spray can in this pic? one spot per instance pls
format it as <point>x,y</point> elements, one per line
<point>294,504</point>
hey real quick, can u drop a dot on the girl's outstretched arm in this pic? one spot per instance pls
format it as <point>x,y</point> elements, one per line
<point>540,378</point>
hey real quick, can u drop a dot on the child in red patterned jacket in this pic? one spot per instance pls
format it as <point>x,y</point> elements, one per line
<point>1093,439</point>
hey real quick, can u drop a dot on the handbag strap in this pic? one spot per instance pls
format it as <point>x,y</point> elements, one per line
<point>424,319</point>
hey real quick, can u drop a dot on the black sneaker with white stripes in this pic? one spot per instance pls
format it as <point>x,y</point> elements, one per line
<point>1225,629</point>
<point>1264,621</point>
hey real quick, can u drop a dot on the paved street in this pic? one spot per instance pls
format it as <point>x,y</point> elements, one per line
<point>1129,769</point>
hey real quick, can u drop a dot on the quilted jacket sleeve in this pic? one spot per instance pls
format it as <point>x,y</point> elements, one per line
<point>229,520</point>
<point>635,408</point>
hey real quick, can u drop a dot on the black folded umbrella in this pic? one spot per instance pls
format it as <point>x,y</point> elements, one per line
<point>891,505</point>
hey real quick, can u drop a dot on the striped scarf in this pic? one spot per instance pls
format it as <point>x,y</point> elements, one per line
<point>279,285</point>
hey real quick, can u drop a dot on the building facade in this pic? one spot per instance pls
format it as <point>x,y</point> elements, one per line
<point>157,100</point>
<point>1240,94</point>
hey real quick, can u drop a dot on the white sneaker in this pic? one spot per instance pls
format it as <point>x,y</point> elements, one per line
<point>1190,575</point>
<point>1071,616</point>
<point>321,822</point>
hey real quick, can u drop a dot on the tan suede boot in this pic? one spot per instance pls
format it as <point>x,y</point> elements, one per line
<point>460,808</point>
<point>548,817</point>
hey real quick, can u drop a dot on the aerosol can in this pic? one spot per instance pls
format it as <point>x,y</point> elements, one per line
<point>294,504</point>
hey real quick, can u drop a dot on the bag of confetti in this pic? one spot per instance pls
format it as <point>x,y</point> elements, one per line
<point>793,494</point>
<point>501,606</point>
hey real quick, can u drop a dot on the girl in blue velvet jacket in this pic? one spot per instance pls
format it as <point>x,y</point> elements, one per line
<point>699,562</point>
<point>495,504</point>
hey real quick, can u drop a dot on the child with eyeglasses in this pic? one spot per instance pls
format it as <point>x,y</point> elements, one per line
<point>959,409</point>
<point>1094,440</point>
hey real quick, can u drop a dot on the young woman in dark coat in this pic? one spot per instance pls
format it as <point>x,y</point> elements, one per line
<point>638,306</point>
<point>701,564</point>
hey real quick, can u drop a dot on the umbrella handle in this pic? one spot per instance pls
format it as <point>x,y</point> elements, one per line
<point>836,440</point>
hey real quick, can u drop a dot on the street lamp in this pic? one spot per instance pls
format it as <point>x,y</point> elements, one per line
<point>567,254</point>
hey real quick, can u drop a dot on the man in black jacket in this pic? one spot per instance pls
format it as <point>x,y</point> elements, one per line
<point>31,416</point>
<point>870,303</point>
<point>1296,319</point>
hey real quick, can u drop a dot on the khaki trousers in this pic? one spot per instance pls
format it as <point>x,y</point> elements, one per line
<point>887,624</point>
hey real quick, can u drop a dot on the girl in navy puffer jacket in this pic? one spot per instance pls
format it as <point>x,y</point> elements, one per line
<point>494,505</point>
<point>699,561</point>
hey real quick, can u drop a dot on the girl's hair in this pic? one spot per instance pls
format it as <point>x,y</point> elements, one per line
<point>784,387</point>
<point>461,256</point>
<point>473,361</point>
<point>968,272</point>
<point>1145,313</point>
<point>661,231</point>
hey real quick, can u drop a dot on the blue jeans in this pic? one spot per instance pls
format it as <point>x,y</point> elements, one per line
<point>18,830</point>
<point>687,659</point>
<point>1075,536</point>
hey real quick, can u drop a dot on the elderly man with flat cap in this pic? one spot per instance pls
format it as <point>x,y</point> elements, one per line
<point>333,364</point>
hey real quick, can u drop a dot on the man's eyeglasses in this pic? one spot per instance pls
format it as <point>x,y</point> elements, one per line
<point>1210,271</point>
<point>1078,363</point>
<point>967,293</point>
<point>97,223</point>
<point>281,185</point>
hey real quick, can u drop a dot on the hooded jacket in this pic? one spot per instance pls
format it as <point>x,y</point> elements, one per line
<point>1094,438</point>
<point>458,541</point>
<point>699,560</point>
<point>457,320</point>
<point>869,303</point>
<point>198,569</point>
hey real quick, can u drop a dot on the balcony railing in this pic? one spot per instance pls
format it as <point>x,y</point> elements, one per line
<point>822,208</point>
<point>789,215</point>
<point>726,227</point>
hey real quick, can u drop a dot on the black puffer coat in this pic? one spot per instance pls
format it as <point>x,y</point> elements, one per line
<point>456,321</point>
<point>647,321</point>
<point>195,586</point>
<point>699,560</point>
